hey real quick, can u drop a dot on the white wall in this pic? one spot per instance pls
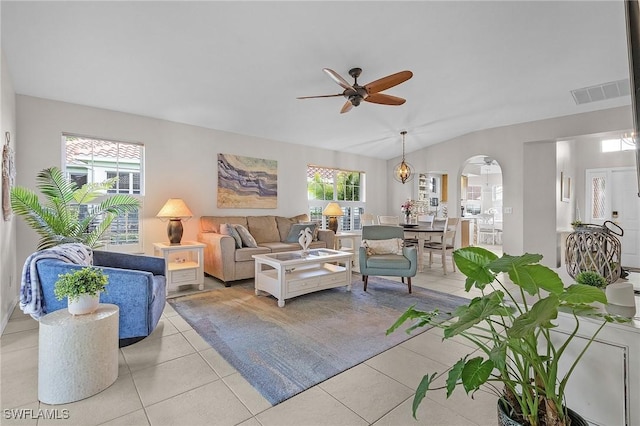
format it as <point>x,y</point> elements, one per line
<point>539,202</point>
<point>9,276</point>
<point>505,144</point>
<point>180,162</point>
<point>566,166</point>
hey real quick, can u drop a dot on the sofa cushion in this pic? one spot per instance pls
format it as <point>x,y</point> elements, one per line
<point>263,228</point>
<point>244,254</point>
<point>294,232</point>
<point>212,223</point>
<point>246,237</point>
<point>390,246</point>
<point>230,230</point>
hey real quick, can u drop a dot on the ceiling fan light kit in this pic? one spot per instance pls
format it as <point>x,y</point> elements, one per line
<point>403,171</point>
<point>355,93</point>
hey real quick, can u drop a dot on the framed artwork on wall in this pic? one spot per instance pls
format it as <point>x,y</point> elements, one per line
<point>565,187</point>
<point>247,182</point>
<point>8,176</point>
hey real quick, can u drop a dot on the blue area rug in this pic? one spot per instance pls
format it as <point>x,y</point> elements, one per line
<point>283,351</point>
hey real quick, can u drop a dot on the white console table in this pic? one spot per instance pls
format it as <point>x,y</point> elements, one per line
<point>605,387</point>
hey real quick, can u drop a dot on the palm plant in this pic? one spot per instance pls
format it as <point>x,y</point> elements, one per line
<point>59,219</point>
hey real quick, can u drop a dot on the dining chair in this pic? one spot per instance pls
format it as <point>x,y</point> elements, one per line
<point>388,220</point>
<point>445,246</point>
<point>486,226</point>
<point>424,221</point>
<point>367,219</point>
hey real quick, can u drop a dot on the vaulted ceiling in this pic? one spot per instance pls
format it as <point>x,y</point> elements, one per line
<point>239,66</point>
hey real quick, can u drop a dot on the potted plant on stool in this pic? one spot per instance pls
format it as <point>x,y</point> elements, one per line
<point>82,289</point>
<point>511,326</point>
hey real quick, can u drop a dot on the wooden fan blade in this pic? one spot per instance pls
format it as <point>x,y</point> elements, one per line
<point>381,98</point>
<point>346,107</point>
<point>337,78</point>
<point>387,82</point>
<point>319,96</point>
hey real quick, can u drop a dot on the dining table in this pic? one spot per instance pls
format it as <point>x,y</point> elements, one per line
<point>422,233</point>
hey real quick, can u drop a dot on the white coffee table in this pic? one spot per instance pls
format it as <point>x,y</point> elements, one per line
<point>294,273</point>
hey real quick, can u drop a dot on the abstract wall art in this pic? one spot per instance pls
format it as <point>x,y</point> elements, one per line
<point>247,182</point>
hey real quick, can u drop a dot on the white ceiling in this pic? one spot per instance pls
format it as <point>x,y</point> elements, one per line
<point>239,66</point>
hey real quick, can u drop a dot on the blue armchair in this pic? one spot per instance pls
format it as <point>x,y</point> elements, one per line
<point>385,263</point>
<point>136,284</point>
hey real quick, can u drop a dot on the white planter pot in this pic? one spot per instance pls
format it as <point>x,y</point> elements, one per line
<point>85,304</point>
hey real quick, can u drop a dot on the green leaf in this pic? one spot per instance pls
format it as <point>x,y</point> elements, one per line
<point>507,262</point>
<point>478,310</point>
<point>580,293</point>
<point>473,262</point>
<point>90,191</point>
<point>539,316</point>
<point>475,373</point>
<point>412,314</point>
<point>455,374</point>
<point>524,271</point>
<point>421,391</point>
<point>498,355</point>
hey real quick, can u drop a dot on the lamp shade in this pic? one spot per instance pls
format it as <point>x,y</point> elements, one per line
<point>174,208</point>
<point>332,209</point>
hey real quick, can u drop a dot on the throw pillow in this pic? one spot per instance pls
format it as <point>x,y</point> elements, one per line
<point>228,229</point>
<point>294,232</point>
<point>391,246</point>
<point>315,228</point>
<point>246,237</point>
<point>284,226</point>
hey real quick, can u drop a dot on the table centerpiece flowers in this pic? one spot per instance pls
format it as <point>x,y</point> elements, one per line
<point>407,208</point>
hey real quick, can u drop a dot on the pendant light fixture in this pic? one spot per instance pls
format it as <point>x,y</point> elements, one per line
<point>403,172</point>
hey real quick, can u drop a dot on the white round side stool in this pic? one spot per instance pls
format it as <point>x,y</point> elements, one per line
<point>77,355</point>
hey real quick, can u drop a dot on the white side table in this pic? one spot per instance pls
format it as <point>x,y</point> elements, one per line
<point>354,239</point>
<point>77,355</point>
<point>184,263</point>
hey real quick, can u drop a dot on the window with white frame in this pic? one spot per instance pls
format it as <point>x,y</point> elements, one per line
<point>346,187</point>
<point>617,145</point>
<point>95,160</point>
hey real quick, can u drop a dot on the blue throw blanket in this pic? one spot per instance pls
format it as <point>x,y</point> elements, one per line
<point>31,300</point>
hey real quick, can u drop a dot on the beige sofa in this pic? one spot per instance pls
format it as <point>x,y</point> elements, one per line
<point>227,263</point>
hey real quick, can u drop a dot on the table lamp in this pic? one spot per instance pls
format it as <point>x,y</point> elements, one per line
<point>175,210</point>
<point>333,210</point>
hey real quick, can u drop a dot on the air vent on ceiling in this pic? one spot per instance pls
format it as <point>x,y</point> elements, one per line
<point>601,92</point>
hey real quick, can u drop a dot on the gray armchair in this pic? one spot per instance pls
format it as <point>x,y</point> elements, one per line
<point>387,264</point>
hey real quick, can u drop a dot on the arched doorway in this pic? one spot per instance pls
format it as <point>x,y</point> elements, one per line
<point>481,202</point>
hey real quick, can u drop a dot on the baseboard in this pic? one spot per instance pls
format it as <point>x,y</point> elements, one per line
<point>7,316</point>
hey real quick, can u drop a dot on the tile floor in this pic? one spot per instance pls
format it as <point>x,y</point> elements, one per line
<point>174,378</point>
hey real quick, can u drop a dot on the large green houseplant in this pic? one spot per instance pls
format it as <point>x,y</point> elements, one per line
<point>59,220</point>
<point>511,325</point>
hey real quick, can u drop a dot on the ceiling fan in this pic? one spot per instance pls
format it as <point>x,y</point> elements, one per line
<point>369,92</point>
